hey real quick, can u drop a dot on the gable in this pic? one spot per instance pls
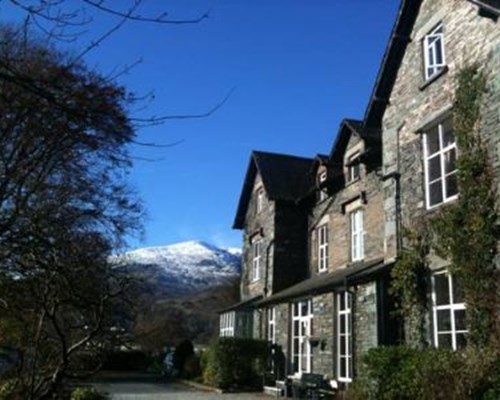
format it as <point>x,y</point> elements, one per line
<point>284,177</point>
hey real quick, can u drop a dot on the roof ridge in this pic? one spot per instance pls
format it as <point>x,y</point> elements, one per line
<point>273,154</point>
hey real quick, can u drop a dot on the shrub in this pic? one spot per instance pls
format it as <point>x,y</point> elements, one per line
<point>235,363</point>
<point>401,373</point>
<point>87,393</point>
<point>192,368</point>
<point>6,389</point>
<point>182,352</point>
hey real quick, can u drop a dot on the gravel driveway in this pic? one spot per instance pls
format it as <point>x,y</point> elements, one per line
<point>139,388</point>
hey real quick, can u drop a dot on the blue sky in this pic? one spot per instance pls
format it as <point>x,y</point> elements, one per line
<point>297,68</point>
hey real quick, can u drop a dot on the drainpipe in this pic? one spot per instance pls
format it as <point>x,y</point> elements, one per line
<point>399,239</point>
<point>266,275</point>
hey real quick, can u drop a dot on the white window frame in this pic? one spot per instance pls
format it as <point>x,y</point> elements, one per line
<point>260,200</point>
<point>227,324</point>
<point>432,43</point>
<point>256,259</point>
<point>302,360</point>
<point>271,325</point>
<point>322,237</point>
<point>451,308</point>
<point>441,153</point>
<point>323,191</point>
<point>357,235</point>
<point>351,169</point>
<point>344,315</point>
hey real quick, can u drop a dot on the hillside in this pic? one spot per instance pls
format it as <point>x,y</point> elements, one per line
<point>181,287</point>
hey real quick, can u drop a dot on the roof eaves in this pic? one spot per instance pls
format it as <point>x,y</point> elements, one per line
<point>491,6</point>
<point>393,55</point>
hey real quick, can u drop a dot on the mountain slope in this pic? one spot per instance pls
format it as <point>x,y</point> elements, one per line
<point>179,289</point>
<point>183,268</point>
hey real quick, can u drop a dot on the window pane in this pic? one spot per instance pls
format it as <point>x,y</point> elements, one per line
<point>304,305</point>
<point>448,136</point>
<point>441,286</point>
<point>342,345</point>
<point>295,328</point>
<point>434,168</point>
<point>449,161</point>
<point>439,52</point>
<point>444,340</point>
<point>341,300</point>
<point>451,185</point>
<point>343,370</point>
<point>444,320</point>
<point>430,52</point>
<point>460,320</point>
<point>435,193</point>
<point>355,171</point>
<point>342,325</point>
<point>432,138</point>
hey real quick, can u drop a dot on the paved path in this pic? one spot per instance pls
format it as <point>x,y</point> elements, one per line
<point>141,388</point>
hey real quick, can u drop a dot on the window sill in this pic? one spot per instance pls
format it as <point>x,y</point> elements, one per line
<point>350,183</point>
<point>433,78</point>
<point>433,209</point>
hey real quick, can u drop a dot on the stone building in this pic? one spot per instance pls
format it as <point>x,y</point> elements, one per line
<point>321,234</point>
<point>419,147</point>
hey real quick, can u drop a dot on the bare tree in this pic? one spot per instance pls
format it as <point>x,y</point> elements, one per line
<point>64,208</point>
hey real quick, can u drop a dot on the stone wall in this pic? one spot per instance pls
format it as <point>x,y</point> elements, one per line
<point>324,328</point>
<point>257,225</point>
<point>414,104</point>
<point>468,38</point>
<point>335,212</point>
<point>365,326</point>
<point>290,255</point>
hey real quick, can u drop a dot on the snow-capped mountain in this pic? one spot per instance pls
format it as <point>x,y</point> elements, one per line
<point>183,268</point>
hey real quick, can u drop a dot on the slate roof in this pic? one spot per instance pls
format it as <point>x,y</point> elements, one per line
<point>284,177</point>
<point>242,305</point>
<point>323,283</point>
<point>489,5</point>
<point>346,129</point>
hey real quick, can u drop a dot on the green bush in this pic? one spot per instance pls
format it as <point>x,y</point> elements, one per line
<point>235,363</point>
<point>192,368</point>
<point>400,372</point>
<point>87,393</point>
<point>182,352</point>
<point>6,389</point>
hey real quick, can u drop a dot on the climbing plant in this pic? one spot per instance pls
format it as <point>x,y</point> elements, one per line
<point>409,281</point>
<point>466,232</point>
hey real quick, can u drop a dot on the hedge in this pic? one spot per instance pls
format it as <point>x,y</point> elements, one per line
<point>403,373</point>
<point>232,363</point>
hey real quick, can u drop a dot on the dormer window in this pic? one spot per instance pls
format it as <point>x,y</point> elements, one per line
<point>323,191</point>
<point>353,168</point>
<point>433,47</point>
<point>260,200</point>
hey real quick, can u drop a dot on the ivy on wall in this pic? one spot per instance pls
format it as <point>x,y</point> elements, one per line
<point>409,283</point>
<point>465,232</point>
